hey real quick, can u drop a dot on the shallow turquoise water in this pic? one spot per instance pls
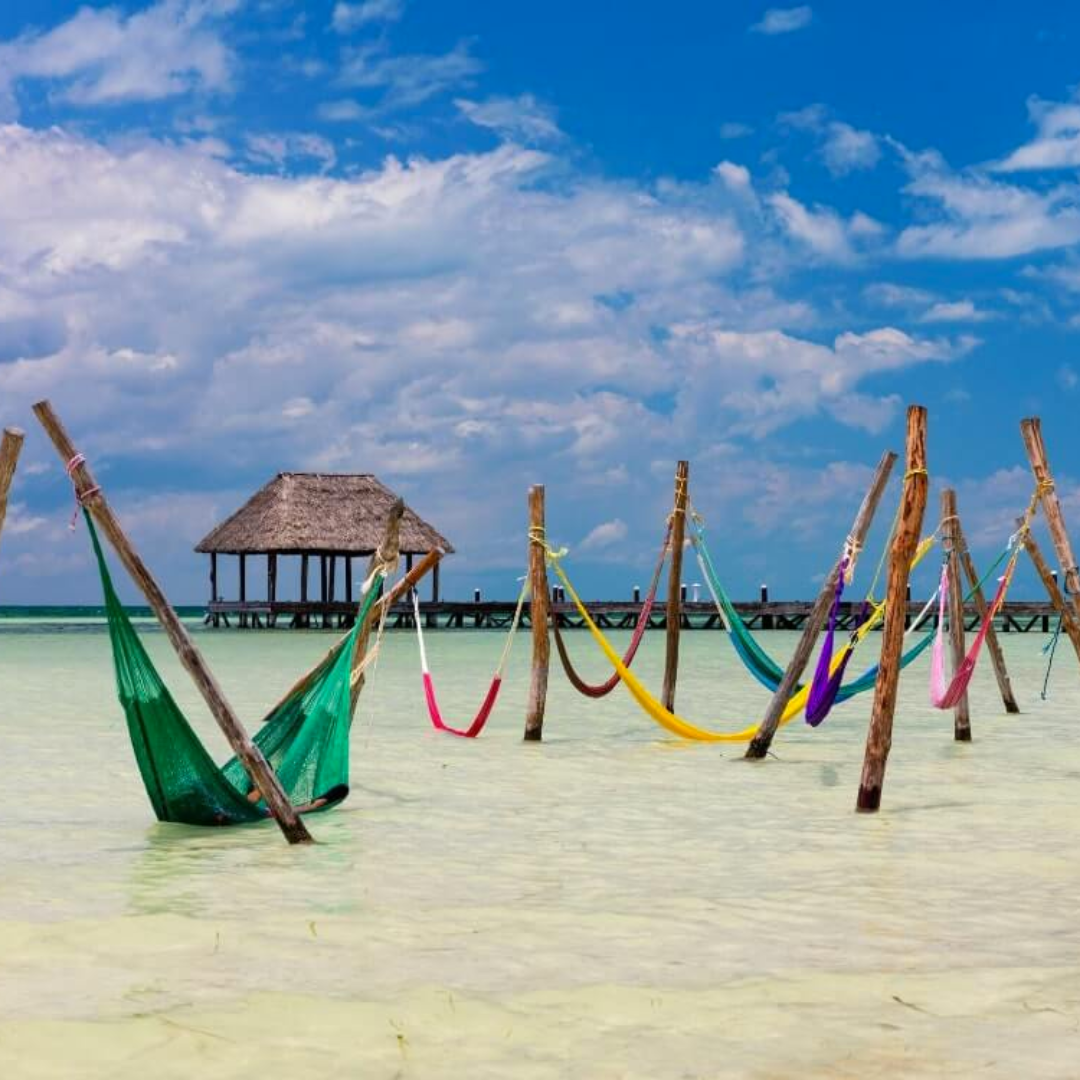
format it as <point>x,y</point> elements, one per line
<point>611,903</point>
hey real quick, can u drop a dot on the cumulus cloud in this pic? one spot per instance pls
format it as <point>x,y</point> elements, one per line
<point>1057,141</point>
<point>822,229</point>
<point>784,20</point>
<point>605,535</point>
<point>404,80</point>
<point>102,57</point>
<point>955,311</point>
<point>844,149</point>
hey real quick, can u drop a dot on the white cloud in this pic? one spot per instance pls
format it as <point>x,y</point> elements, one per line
<point>279,149</point>
<point>955,311</point>
<point>886,294</point>
<point>523,118</point>
<point>405,79</point>
<point>979,217</point>
<point>347,18</point>
<point>101,57</point>
<point>605,535</point>
<point>784,20</point>
<point>735,177</point>
<point>733,129</point>
<point>1057,142</point>
<point>822,229</point>
<point>847,149</point>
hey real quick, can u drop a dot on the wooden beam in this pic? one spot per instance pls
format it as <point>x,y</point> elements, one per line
<point>759,745</point>
<point>1049,579</point>
<point>912,508</point>
<point>993,646</point>
<point>951,541</point>
<point>10,448</point>
<point>1031,429</point>
<point>674,596</point>
<point>92,497</point>
<point>538,584</point>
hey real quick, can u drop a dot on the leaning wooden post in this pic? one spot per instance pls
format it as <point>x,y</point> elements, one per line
<point>912,508</point>
<point>762,740</point>
<point>1049,580</point>
<point>538,614</point>
<point>674,595</point>
<point>950,538</point>
<point>10,448</point>
<point>993,646</point>
<point>386,555</point>
<point>1036,451</point>
<point>91,496</point>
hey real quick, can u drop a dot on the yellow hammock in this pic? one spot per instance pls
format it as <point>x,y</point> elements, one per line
<point>676,724</point>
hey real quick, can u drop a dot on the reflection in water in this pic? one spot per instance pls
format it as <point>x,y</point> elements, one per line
<point>608,903</point>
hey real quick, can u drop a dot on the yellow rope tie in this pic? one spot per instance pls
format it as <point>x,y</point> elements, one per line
<point>914,472</point>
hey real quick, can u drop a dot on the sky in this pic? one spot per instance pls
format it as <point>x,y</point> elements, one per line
<point>472,246</point>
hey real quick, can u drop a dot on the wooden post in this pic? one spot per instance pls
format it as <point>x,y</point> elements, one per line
<point>386,555</point>
<point>759,745</point>
<point>993,646</point>
<point>1049,580</point>
<point>91,496</point>
<point>1031,429</point>
<point>10,448</point>
<point>435,584</point>
<point>271,587</point>
<point>674,596</point>
<point>950,538</point>
<point>879,736</point>
<point>303,578</point>
<point>348,579</point>
<point>538,582</point>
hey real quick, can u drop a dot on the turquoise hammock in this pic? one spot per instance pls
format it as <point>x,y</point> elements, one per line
<point>758,662</point>
<point>305,738</point>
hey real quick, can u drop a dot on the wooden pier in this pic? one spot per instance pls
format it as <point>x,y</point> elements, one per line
<point>1016,616</point>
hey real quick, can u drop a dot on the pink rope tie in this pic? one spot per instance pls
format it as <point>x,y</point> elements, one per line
<point>80,497</point>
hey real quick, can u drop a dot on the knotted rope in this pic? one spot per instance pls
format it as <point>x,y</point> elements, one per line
<point>81,497</point>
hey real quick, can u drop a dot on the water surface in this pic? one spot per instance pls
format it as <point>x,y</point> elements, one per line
<point>611,903</point>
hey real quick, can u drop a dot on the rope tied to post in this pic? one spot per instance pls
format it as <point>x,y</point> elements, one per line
<point>81,497</point>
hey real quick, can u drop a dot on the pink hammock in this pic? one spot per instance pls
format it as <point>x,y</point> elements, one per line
<point>946,697</point>
<point>488,704</point>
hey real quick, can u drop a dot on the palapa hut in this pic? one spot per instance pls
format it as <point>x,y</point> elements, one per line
<point>328,516</point>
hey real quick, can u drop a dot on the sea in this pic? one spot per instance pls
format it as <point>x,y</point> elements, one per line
<point>611,902</point>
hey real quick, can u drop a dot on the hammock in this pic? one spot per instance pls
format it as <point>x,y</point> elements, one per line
<point>305,738</point>
<point>599,690</point>
<point>825,686</point>
<point>492,695</point>
<point>944,696</point>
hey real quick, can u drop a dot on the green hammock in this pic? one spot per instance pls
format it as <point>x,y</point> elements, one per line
<point>305,738</point>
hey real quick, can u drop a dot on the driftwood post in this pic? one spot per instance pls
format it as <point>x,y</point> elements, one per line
<point>10,448</point>
<point>1031,429</point>
<point>912,508</point>
<point>759,745</point>
<point>950,537</point>
<point>674,594</point>
<point>1049,580</point>
<point>993,646</point>
<point>386,555</point>
<point>91,496</point>
<point>538,584</point>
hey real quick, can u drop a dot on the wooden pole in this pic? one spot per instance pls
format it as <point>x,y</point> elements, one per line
<point>10,448</point>
<point>993,646</point>
<point>759,745</point>
<point>386,555</point>
<point>674,596</point>
<point>1049,580</point>
<point>1031,429</point>
<point>950,538</point>
<point>91,496</point>
<point>538,583</point>
<point>912,508</point>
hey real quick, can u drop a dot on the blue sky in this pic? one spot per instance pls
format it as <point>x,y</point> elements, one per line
<point>469,247</point>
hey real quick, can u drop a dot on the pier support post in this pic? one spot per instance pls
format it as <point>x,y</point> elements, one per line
<point>91,496</point>
<point>993,646</point>
<point>538,584</point>
<point>950,538</point>
<point>1050,583</point>
<point>674,594</point>
<point>762,740</point>
<point>912,508</point>
<point>10,448</point>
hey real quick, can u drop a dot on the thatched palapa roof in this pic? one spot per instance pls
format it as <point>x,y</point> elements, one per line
<point>319,512</point>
